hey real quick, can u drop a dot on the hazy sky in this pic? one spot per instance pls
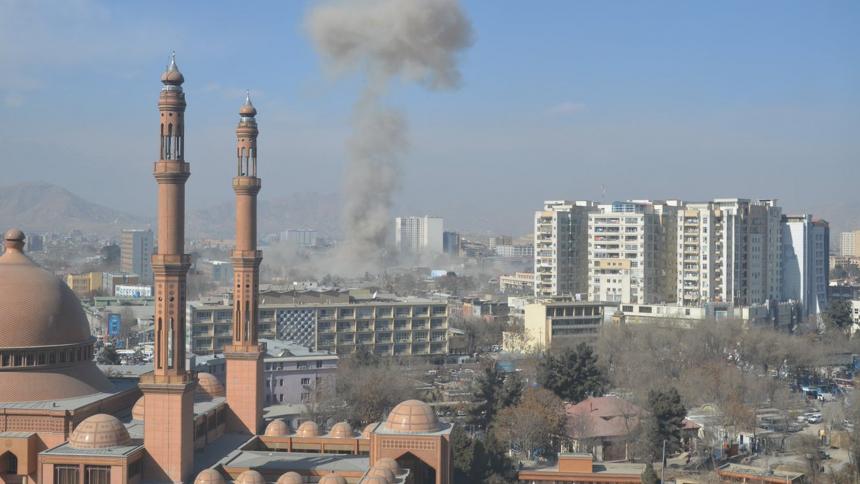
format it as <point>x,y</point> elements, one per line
<point>560,99</point>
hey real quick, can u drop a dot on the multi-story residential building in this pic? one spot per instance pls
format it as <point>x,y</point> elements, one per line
<point>805,262</point>
<point>520,283</point>
<point>561,322</point>
<point>85,284</point>
<point>631,252</point>
<point>136,251</point>
<point>561,248</point>
<point>698,272</point>
<point>418,235</point>
<point>849,243</point>
<point>385,327</point>
<point>515,251</point>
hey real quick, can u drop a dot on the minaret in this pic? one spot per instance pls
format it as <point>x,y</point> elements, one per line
<point>169,388</point>
<point>245,356</point>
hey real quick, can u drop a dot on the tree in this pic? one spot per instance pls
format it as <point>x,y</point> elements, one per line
<point>649,476</point>
<point>534,424</point>
<point>838,314</point>
<point>664,422</point>
<point>477,460</point>
<point>573,375</point>
<point>108,356</point>
<point>495,391</point>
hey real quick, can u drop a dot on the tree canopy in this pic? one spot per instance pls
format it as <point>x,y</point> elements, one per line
<point>665,420</point>
<point>573,375</point>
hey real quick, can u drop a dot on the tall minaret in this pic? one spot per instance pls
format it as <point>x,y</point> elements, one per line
<point>169,388</point>
<point>245,356</point>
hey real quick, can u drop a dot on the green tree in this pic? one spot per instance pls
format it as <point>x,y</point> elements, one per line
<point>573,375</point>
<point>649,476</point>
<point>495,391</point>
<point>477,460</point>
<point>838,314</point>
<point>665,419</point>
<point>108,356</point>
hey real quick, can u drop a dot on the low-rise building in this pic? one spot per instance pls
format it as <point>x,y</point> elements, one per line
<point>85,284</point>
<point>561,322</point>
<point>581,468</point>
<point>518,283</point>
<point>758,475</point>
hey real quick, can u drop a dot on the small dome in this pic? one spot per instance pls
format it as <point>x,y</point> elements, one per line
<point>248,108</point>
<point>368,429</point>
<point>137,410</point>
<point>383,472</point>
<point>412,416</point>
<point>250,477</point>
<point>291,478</point>
<point>208,386</point>
<point>277,428</point>
<point>332,479</point>
<point>171,75</point>
<point>14,238</point>
<point>99,431</point>
<point>341,430</point>
<point>375,480</point>
<point>308,429</point>
<point>389,464</point>
<point>209,476</point>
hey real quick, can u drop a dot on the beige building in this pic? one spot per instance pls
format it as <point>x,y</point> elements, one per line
<point>559,323</point>
<point>849,243</point>
<point>401,327</point>
<point>517,283</point>
<point>561,248</point>
<point>85,284</point>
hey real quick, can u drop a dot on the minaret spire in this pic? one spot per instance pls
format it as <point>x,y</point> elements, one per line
<point>245,356</point>
<point>168,389</point>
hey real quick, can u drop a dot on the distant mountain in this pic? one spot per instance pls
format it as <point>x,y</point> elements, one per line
<point>43,207</point>
<point>299,210</point>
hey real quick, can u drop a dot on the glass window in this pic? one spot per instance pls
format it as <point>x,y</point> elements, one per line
<point>97,475</point>
<point>65,474</point>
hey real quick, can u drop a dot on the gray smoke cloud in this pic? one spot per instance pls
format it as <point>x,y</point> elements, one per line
<point>412,40</point>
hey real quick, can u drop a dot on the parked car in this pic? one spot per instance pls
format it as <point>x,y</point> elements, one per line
<point>814,419</point>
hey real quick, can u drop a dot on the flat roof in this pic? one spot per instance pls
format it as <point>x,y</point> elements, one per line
<point>201,306</point>
<point>72,404</point>
<point>296,461</point>
<point>759,471</point>
<point>121,450</point>
<point>623,468</point>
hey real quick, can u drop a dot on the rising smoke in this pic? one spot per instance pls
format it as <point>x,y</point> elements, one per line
<point>413,40</point>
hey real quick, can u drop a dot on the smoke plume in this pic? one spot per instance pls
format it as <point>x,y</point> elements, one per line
<point>412,40</point>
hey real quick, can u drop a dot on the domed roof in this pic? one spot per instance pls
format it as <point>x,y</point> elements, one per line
<point>36,307</point>
<point>341,430</point>
<point>368,429</point>
<point>412,416</point>
<point>291,478</point>
<point>250,477</point>
<point>383,472</point>
<point>277,428</point>
<point>99,431</point>
<point>137,409</point>
<point>171,74</point>
<point>389,464</point>
<point>209,476</point>
<point>332,479</point>
<point>375,480</point>
<point>248,108</point>
<point>308,429</point>
<point>208,386</point>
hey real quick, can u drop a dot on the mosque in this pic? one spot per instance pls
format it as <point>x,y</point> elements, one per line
<point>63,421</point>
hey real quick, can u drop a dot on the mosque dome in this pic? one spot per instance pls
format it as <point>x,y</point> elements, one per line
<point>46,348</point>
<point>247,109</point>
<point>209,476</point>
<point>250,477</point>
<point>388,463</point>
<point>277,428</point>
<point>368,429</point>
<point>291,478</point>
<point>341,430</point>
<point>375,480</point>
<point>99,431</point>
<point>308,429</point>
<point>412,416</point>
<point>332,479</point>
<point>382,472</point>
<point>208,386</point>
<point>171,75</point>
<point>137,409</point>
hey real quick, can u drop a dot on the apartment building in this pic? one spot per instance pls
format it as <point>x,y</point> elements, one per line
<point>805,262</point>
<point>561,248</point>
<point>136,249</point>
<point>85,284</point>
<point>520,283</point>
<point>699,248</point>
<point>408,327</point>
<point>561,322</point>
<point>419,235</point>
<point>849,244</point>
<point>631,252</point>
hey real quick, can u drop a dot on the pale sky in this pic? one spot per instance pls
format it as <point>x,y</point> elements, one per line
<point>560,99</point>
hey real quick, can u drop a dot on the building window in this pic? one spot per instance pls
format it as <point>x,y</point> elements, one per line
<point>306,381</point>
<point>281,397</point>
<point>97,475</point>
<point>65,474</point>
<point>319,364</point>
<point>135,469</point>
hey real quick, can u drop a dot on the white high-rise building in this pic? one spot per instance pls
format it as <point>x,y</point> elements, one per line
<point>419,235</point>
<point>136,249</point>
<point>561,248</point>
<point>805,266</point>
<point>699,272</point>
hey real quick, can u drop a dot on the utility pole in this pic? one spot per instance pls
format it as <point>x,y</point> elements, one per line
<point>663,464</point>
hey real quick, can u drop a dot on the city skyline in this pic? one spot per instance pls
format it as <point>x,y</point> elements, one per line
<point>752,97</point>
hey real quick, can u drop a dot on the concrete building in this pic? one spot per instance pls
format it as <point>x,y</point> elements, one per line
<point>136,249</point>
<point>520,283</point>
<point>631,252</point>
<point>849,243</point>
<point>85,284</point>
<point>451,243</point>
<point>805,262</point>
<point>294,374</point>
<point>560,323</point>
<point>133,291</point>
<point>515,251</point>
<point>419,235</point>
<point>110,280</point>
<point>561,248</point>
<point>385,327</point>
<point>300,237</point>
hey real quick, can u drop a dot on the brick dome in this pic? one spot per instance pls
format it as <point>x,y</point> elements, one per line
<point>341,430</point>
<point>208,386</point>
<point>137,410</point>
<point>412,416</point>
<point>209,476</point>
<point>308,429</point>
<point>382,472</point>
<point>99,431</point>
<point>368,429</point>
<point>277,428</point>
<point>171,75</point>
<point>389,464</point>
<point>375,480</point>
<point>291,478</point>
<point>332,479</point>
<point>250,477</point>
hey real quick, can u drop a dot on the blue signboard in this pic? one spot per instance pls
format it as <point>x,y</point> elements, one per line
<point>114,321</point>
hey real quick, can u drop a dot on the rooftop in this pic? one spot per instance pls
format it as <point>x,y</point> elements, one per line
<point>71,404</point>
<point>295,461</point>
